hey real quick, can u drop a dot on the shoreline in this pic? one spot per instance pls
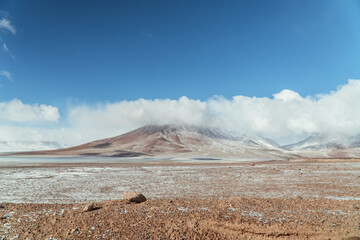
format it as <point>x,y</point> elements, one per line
<point>45,161</point>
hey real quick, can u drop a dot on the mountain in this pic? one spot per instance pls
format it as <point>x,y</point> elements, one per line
<point>176,140</point>
<point>200,142</point>
<point>332,146</point>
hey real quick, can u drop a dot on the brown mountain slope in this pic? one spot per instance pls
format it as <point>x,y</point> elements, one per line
<point>175,140</point>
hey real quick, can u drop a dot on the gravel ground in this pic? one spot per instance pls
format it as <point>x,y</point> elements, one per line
<point>302,199</point>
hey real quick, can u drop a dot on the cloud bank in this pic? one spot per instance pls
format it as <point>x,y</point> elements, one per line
<point>286,117</point>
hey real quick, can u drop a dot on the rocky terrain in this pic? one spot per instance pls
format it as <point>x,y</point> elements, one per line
<point>229,218</point>
<point>296,199</point>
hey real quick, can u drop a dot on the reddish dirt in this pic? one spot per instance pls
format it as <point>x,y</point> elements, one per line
<point>327,206</point>
<point>230,218</point>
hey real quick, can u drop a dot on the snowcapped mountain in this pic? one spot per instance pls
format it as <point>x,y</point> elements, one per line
<point>320,141</point>
<point>321,145</point>
<point>191,141</point>
<point>178,140</point>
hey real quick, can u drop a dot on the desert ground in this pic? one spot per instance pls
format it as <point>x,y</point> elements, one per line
<point>186,199</point>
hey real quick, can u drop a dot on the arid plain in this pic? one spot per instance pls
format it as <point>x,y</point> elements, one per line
<point>296,199</point>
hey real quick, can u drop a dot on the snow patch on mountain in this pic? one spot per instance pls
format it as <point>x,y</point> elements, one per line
<point>321,141</point>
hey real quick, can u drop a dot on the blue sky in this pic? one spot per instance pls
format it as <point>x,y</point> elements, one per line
<point>66,53</point>
<point>113,50</point>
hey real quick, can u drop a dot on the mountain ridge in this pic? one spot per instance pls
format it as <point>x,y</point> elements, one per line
<point>180,140</point>
<point>188,140</point>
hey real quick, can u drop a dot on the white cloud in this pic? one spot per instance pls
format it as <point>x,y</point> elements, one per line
<point>16,111</point>
<point>6,74</point>
<point>287,95</point>
<point>286,117</point>
<point>6,24</point>
<point>17,138</point>
<point>5,47</point>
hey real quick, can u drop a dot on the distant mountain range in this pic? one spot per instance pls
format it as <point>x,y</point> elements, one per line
<point>179,140</point>
<point>332,146</point>
<point>321,141</point>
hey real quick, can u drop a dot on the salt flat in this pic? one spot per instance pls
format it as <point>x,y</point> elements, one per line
<point>70,180</point>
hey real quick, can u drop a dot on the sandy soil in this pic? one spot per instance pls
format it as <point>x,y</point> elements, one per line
<point>317,199</point>
<point>230,218</point>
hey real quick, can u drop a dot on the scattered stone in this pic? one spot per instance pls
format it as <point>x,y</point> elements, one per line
<point>89,207</point>
<point>135,197</point>
<point>5,216</point>
<point>74,230</point>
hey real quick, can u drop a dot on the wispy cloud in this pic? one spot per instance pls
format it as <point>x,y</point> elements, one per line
<point>6,74</point>
<point>7,25</point>
<point>6,49</point>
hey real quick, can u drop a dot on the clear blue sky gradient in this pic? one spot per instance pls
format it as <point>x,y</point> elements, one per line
<point>98,51</point>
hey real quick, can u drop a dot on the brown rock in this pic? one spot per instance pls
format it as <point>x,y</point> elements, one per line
<point>4,217</point>
<point>135,197</point>
<point>74,230</point>
<point>89,207</point>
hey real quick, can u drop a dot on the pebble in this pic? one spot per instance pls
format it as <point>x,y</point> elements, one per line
<point>89,207</point>
<point>135,197</point>
<point>5,216</point>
